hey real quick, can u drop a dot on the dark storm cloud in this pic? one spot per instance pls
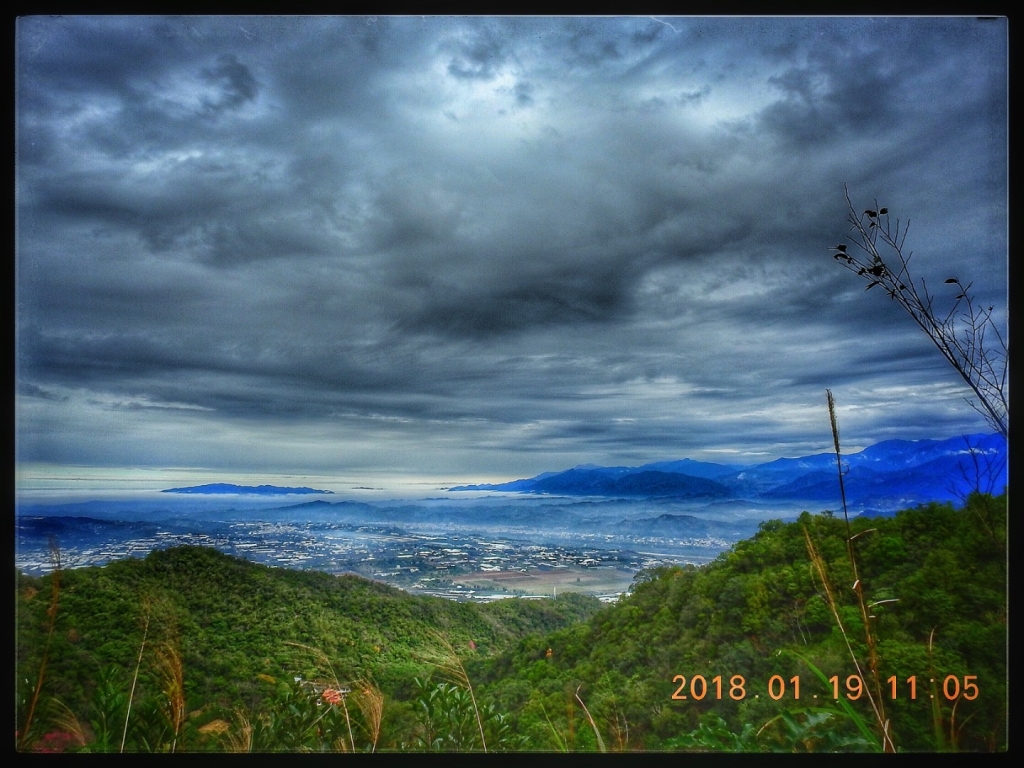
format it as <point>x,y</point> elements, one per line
<point>234,378</point>
<point>235,80</point>
<point>478,60</point>
<point>550,300</point>
<point>523,91</point>
<point>93,54</point>
<point>855,100</point>
<point>31,390</point>
<point>537,237</point>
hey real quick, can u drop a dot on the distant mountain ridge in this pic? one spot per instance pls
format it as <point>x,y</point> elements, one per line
<point>885,475</point>
<point>258,490</point>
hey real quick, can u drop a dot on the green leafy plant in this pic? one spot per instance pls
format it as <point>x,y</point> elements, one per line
<point>868,739</point>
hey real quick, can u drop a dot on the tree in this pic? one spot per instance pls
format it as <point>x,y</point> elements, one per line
<point>966,335</point>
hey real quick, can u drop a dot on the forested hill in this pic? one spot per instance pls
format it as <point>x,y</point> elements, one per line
<point>254,653</point>
<point>243,632</point>
<point>934,579</point>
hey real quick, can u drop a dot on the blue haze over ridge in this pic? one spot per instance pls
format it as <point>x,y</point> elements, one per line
<point>885,476</point>
<point>256,490</point>
<point>626,517</point>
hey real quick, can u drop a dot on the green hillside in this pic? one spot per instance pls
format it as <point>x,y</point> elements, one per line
<point>245,631</point>
<point>761,610</point>
<point>229,655</point>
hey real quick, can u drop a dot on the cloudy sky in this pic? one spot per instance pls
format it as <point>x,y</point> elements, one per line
<point>481,248</point>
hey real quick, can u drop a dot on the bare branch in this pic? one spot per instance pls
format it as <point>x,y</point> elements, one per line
<point>959,335</point>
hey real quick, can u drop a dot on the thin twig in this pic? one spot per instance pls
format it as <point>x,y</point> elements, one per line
<point>959,335</point>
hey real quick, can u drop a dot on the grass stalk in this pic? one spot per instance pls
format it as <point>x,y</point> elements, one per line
<point>173,679</point>
<point>51,612</point>
<point>135,679</point>
<point>240,739</point>
<point>940,738</point>
<point>371,703</point>
<point>450,663</point>
<point>558,739</point>
<point>858,586</point>
<point>819,566</point>
<point>597,733</point>
<point>348,721</point>
<point>68,722</point>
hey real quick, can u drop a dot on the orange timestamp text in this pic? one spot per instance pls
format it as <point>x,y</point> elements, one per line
<point>735,687</point>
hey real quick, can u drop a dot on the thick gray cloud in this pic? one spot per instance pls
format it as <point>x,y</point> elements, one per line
<point>489,246</point>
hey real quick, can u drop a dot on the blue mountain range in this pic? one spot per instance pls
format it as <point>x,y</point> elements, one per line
<point>257,490</point>
<point>888,475</point>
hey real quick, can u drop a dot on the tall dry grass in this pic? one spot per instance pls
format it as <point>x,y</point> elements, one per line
<point>172,685</point>
<point>444,657</point>
<point>25,734</point>
<point>858,586</point>
<point>370,701</point>
<point>875,697</point>
<point>240,737</point>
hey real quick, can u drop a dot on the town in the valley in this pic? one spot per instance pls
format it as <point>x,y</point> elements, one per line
<point>468,565</point>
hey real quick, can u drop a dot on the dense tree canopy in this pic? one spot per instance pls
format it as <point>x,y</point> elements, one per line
<point>254,657</point>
